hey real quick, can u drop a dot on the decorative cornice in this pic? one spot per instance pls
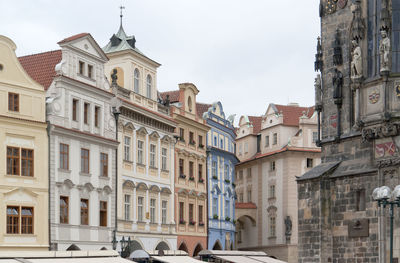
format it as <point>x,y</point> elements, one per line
<point>380,131</point>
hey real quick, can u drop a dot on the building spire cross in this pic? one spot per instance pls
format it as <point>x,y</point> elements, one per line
<point>120,15</point>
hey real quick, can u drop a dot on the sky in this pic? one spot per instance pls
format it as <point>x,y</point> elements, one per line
<point>244,53</point>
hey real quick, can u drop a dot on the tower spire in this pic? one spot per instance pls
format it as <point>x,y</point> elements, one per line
<point>120,15</point>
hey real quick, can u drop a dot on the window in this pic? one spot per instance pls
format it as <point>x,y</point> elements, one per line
<point>249,196</point>
<point>152,210</point>
<point>275,139</point>
<point>81,67</point>
<point>241,197</point>
<point>97,116</point>
<point>240,149</point>
<point>85,161</point>
<point>26,220</point>
<point>64,156</point>
<point>215,141</point>
<point>140,209</point>
<point>272,226</point>
<point>181,212</point>
<point>226,171</point>
<point>272,166</point>
<point>314,137</point>
<point>191,213</point>
<point>27,162</point>
<point>272,191</point>
<point>90,71</point>
<point>181,134</point>
<point>103,213</point>
<point>191,172</point>
<point>200,141</point>
<point>103,164</point>
<point>360,200</point>
<point>148,86</point>
<point>152,155</point>
<point>267,141</point>
<point>221,144</point>
<point>215,206</point>
<point>12,160</point>
<point>127,206</point>
<point>140,152</point>
<point>163,158</point>
<point>86,113</point>
<point>181,168</point>
<point>227,214</point>
<point>84,212</point>
<point>191,138</point>
<point>127,148</point>
<point>164,212</point>
<point>201,215</point>
<point>246,147</point>
<point>214,169</point>
<point>75,110</point>
<point>64,210</point>
<point>190,104</point>
<point>12,220</point>
<point>241,175</point>
<point>136,81</point>
<point>200,172</point>
<point>13,101</point>
<point>309,162</point>
<point>248,172</point>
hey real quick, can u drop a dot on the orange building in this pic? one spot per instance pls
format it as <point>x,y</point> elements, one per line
<point>190,169</point>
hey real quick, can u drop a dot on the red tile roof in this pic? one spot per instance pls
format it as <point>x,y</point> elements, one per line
<point>245,206</point>
<point>291,114</point>
<point>201,108</point>
<point>256,122</point>
<point>41,66</point>
<point>77,36</point>
<point>173,95</point>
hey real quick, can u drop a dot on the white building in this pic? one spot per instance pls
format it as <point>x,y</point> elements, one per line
<point>82,143</point>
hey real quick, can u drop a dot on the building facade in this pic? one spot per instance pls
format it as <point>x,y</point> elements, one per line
<point>221,161</point>
<point>24,178</point>
<point>338,219</point>
<point>190,169</point>
<point>145,204</point>
<point>273,150</point>
<point>82,143</point>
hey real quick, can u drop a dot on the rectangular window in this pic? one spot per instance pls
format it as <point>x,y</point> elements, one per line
<point>181,212</point>
<point>272,166</point>
<point>127,206</point>
<point>152,155</point>
<point>90,71</point>
<point>84,160</point>
<point>164,205</point>
<point>12,160</point>
<point>152,211</point>
<point>275,139</point>
<point>360,200</point>
<point>127,148</point>
<point>75,110</point>
<point>181,168</point>
<point>200,172</point>
<point>64,210</point>
<point>241,197</point>
<point>191,138</point>
<point>26,220</point>
<point>249,196</point>
<point>215,206</point>
<point>86,113</point>
<point>214,169</point>
<point>81,67</point>
<point>314,137</point>
<point>272,191</point>
<point>181,134</point>
<point>13,101</point>
<point>103,164</point>
<point>140,209</point>
<point>267,141</point>
<point>227,214</point>
<point>64,156</point>
<point>103,213</point>
<point>96,116</point>
<point>12,220</point>
<point>163,158</point>
<point>201,141</point>
<point>140,152</point>
<point>309,162</point>
<point>84,212</point>
<point>201,221</point>
<point>191,172</point>
<point>226,172</point>
<point>27,162</point>
<point>191,213</point>
<point>248,172</point>
<point>272,226</point>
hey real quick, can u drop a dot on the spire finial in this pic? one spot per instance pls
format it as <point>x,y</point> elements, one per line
<point>120,15</point>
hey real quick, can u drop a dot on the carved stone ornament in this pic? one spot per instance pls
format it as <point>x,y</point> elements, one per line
<point>381,131</point>
<point>318,91</point>
<point>330,6</point>
<point>356,61</point>
<point>374,96</point>
<point>388,162</point>
<point>357,24</point>
<point>341,3</point>
<point>318,56</point>
<point>397,90</point>
<point>384,51</point>
<point>337,50</point>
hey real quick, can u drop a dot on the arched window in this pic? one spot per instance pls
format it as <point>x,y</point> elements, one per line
<point>136,81</point>
<point>148,86</point>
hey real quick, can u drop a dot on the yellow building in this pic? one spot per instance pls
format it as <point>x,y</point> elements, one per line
<point>24,155</point>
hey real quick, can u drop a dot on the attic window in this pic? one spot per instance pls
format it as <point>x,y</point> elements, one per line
<point>90,71</point>
<point>81,67</point>
<point>190,104</point>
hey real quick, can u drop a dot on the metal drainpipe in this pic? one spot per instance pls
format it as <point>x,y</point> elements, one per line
<point>208,234</point>
<point>48,179</point>
<point>116,115</point>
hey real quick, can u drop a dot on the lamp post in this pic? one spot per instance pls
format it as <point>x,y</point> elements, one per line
<point>382,195</point>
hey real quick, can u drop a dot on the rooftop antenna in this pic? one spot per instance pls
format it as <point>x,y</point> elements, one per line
<point>120,15</point>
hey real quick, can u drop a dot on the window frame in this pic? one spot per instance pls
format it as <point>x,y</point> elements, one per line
<point>164,211</point>
<point>152,153</point>
<point>140,144</point>
<point>97,116</point>
<point>64,156</point>
<point>103,213</point>
<point>15,161</point>
<point>15,220</point>
<point>140,208</point>
<point>149,86</point>
<point>127,148</point>
<point>127,207</point>
<point>85,161</point>
<point>103,164</point>
<point>84,211</point>
<point>13,101</point>
<point>64,208</point>
<point>152,207</point>
<point>164,153</point>
<point>86,112</point>
<point>75,109</point>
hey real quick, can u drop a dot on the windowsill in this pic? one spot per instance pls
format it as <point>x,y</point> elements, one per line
<point>85,174</point>
<point>104,178</point>
<point>86,77</point>
<point>153,167</point>
<point>20,235</point>
<point>64,170</point>
<point>140,164</point>
<point>126,161</point>
<point>272,237</point>
<point>271,198</point>
<point>20,176</point>
<point>164,170</point>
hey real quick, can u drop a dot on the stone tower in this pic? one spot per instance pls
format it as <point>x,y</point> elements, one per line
<point>358,100</point>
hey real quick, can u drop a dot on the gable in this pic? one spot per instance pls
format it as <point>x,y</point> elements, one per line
<point>86,45</point>
<point>20,195</point>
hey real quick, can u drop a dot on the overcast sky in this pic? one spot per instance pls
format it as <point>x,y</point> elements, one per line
<point>244,53</point>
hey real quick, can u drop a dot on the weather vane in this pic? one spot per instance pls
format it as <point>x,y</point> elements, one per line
<point>121,7</point>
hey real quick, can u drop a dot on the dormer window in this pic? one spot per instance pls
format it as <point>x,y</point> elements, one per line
<point>136,81</point>
<point>149,86</point>
<point>81,67</point>
<point>90,71</point>
<point>190,104</point>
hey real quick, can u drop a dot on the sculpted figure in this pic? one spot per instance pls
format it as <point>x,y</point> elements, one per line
<point>318,90</point>
<point>337,82</point>
<point>114,77</point>
<point>356,62</point>
<point>288,226</point>
<point>384,51</point>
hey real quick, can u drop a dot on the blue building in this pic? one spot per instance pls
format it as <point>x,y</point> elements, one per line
<point>221,160</point>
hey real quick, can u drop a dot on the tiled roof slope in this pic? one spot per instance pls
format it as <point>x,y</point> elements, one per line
<point>173,95</point>
<point>291,114</point>
<point>256,122</point>
<point>201,108</point>
<point>41,66</point>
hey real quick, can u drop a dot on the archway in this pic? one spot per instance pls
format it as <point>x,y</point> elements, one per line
<point>162,246</point>
<point>134,245</point>
<point>197,250</point>
<point>217,245</point>
<point>73,247</point>
<point>183,247</point>
<point>103,248</point>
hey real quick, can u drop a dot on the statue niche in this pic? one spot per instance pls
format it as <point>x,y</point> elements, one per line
<point>356,61</point>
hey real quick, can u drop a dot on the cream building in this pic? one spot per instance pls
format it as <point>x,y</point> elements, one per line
<point>24,154</point>
<point>273,150</point>
<point>145,204</point>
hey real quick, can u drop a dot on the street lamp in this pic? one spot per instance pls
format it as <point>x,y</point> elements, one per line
<point>382,195</point>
